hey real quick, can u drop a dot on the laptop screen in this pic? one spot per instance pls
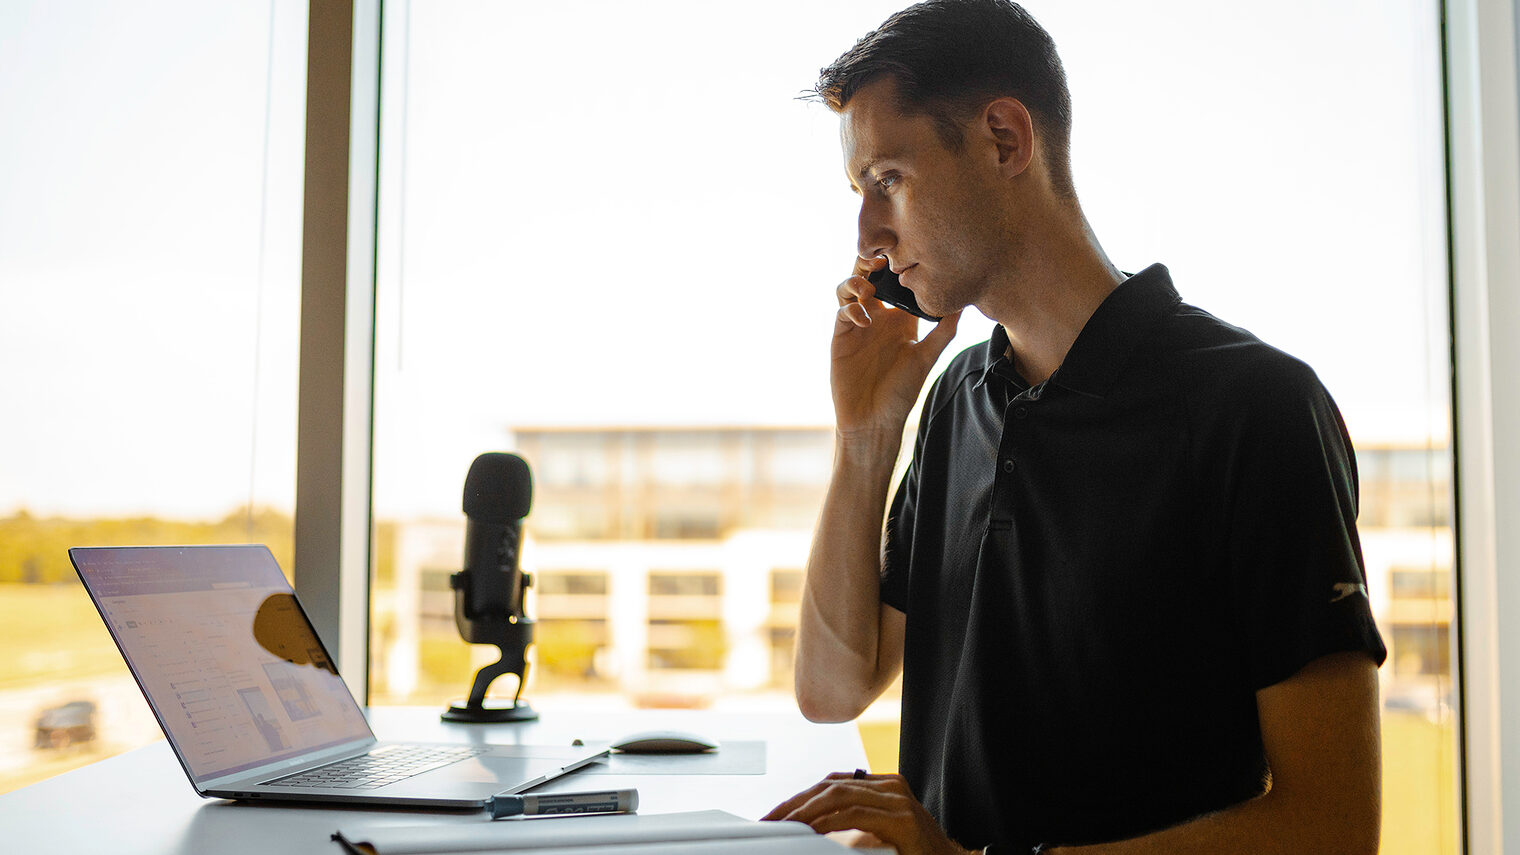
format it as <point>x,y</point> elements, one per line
<point>224,654</point>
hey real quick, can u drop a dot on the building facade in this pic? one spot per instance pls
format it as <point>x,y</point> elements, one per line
<point>666,564</point>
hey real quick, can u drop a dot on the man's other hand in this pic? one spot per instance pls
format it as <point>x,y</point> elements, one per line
<point>881,805</point>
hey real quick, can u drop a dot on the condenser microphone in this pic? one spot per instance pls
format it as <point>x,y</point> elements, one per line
<point>488,592</point>
<point>498,491</point>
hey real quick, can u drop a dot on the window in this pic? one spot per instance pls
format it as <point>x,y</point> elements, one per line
<point>783,641</point>
<point>781,625</point>
<point>179,323</point>
<point>685,645</point>
<point>572,649</point>
<point>786,587</point>
<point>1422,650</point>
<point>150,235</point>
<point>571,584</point>
<point>684,584</point>
<point>561,241</point>
<point>1421,584</point>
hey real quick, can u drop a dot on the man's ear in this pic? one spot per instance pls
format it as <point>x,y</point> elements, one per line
<point>1008,122</point>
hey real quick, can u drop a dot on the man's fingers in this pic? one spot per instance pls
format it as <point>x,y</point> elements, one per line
<point>881,805</point>
<point>939,337</point>
<point>783,810</point>
<point>786,808</point>
<point>854,290</point>
<point>851,315</point>
<point>792,805</point>
<point>890,827</point>
<point>803,797</point>
<point>882,822</point>
<point>867,266</point>
<point>875,807</point>
<point>836,794</point>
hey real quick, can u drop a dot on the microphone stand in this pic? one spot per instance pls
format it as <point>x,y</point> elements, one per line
<point>511,636</point>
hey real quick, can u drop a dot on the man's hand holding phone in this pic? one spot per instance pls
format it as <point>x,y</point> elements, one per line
<point>879,364</point>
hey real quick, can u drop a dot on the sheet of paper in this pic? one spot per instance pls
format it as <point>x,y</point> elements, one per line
<point>812,844</point>
<point>562,832</point>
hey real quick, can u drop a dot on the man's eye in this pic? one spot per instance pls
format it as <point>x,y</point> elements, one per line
<point>887,180</point>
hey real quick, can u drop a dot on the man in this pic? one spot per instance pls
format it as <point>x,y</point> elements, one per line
<point>1121,576</point>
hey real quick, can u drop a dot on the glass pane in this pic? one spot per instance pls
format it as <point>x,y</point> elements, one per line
<point>610,236</point>
<point>150,234</point>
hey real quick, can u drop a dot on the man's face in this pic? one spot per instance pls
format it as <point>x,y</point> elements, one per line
<point>930,210</point>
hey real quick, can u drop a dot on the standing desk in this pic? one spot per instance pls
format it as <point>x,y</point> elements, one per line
<point>141,803</point>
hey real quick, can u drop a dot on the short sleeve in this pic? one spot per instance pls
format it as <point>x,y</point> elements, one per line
<point>1295,562</point>
<point>897,546</point>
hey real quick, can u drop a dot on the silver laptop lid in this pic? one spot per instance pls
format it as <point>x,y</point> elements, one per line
<point>224,654</point>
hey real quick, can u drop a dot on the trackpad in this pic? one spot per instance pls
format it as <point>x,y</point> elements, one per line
<point>512,765</point>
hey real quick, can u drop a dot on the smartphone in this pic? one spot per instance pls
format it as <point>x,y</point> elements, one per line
<point>890,290</point>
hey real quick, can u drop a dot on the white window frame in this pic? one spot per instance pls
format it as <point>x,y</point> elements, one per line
<point>334,437</point>
<point>1484,167</point>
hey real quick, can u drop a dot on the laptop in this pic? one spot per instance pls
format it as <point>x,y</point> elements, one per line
<point>252,704</point>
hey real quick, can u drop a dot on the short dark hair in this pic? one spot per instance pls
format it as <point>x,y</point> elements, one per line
<point>949,58</point>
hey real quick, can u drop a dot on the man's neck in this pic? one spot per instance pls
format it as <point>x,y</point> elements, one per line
<point>1057,284</point>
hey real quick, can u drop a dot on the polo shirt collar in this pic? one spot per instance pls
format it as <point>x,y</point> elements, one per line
<point>1099,354</point>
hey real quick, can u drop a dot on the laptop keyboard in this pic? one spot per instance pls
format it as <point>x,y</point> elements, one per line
<point>378,768</point>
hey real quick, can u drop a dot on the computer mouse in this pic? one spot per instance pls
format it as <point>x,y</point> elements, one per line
<point>664,742</point>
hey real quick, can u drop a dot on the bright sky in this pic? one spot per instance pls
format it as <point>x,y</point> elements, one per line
<point>611,213</point>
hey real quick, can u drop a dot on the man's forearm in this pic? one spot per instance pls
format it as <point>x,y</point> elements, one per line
<point>1321,733</point>
<point>840,665</point>
<point>1262,826</point>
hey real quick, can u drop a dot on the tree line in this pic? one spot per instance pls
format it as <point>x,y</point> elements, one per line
<point>34,550</point>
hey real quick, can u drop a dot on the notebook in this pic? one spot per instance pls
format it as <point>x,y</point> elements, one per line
<point>252,704</point>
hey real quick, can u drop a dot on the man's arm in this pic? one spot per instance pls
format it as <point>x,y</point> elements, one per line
<point>1321,732</point>
<point>849,645</point>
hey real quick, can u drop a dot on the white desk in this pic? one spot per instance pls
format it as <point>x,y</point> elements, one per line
<point>140,803</point>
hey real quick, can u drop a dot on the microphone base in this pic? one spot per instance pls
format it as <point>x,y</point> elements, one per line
<point>491,712</point>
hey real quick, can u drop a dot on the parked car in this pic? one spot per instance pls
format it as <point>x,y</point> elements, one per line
<point>72,723</point>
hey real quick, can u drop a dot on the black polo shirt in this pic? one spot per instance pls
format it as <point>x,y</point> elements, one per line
<point>1100,572</point>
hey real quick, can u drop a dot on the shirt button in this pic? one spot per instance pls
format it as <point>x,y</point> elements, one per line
<point>1020,411</point>
<point>1008,465</point>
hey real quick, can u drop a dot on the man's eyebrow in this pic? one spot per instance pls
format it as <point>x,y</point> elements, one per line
<point>865,170</point>
<point>863,175</point>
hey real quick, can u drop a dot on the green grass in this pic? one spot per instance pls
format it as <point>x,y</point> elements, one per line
<point>1419,765</point>
<point>52,631</point>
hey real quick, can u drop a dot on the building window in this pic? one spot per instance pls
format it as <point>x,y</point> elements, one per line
<point>1421,650</point>
<point>576,650</point>
<point>686,645</point>
<point>573,584</point>
<point>1421,584</point>
<point>786,587</point>
<point>685,584</point>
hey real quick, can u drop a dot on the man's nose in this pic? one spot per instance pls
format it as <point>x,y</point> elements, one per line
<point>876,236</point>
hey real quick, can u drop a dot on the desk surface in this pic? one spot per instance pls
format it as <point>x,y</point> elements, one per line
<point>140,803</point>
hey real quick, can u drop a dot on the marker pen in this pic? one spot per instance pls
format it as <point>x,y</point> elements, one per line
<point>551,804</point>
